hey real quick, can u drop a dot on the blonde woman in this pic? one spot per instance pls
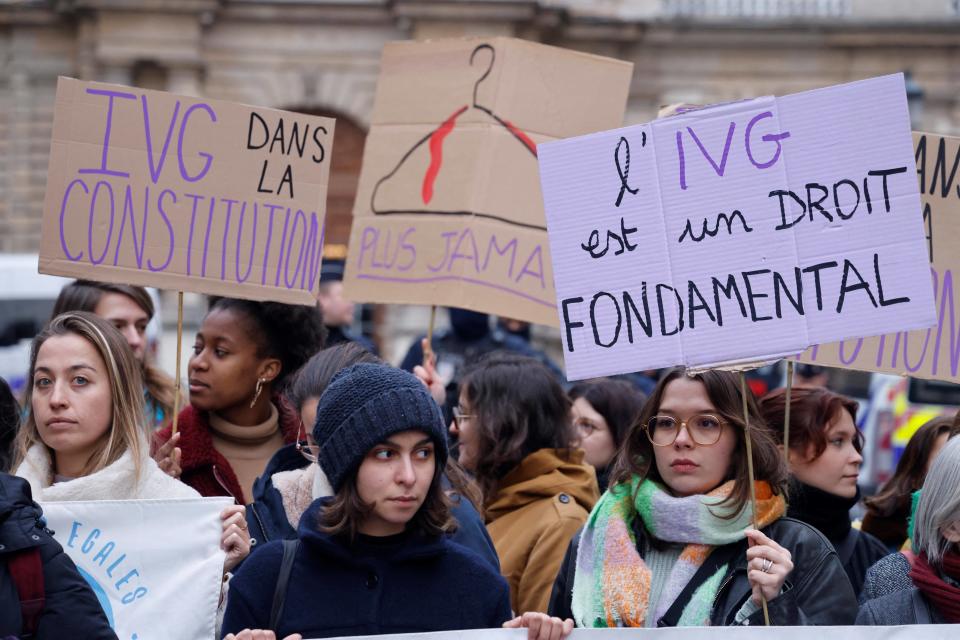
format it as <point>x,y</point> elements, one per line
<point>84,437</point>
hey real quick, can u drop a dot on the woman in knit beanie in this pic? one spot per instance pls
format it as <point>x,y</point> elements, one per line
<point>373,558</point>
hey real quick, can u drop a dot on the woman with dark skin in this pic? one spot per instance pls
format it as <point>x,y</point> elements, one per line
<point>237,418</point>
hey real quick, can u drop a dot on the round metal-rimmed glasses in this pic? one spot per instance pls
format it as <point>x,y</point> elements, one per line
<point>704,429</point>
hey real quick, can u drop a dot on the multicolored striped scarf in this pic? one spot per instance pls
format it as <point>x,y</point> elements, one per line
<point>611,586</point>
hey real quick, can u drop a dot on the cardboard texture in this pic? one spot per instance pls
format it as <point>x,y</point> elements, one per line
<point>156,189</point>
<point>448,207</point>
<point>737,233</point>
<point>932,353</point>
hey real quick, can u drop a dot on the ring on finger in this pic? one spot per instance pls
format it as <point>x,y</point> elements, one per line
<point>767,565</point>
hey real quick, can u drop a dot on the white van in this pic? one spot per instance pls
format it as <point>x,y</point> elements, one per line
<point>26,302</point>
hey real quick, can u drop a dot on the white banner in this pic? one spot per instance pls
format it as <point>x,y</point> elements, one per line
<point>915,632</point>
<point>155,565</point>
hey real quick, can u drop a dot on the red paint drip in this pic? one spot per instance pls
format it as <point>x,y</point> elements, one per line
<point>436,154</point>
<point>523,137</point>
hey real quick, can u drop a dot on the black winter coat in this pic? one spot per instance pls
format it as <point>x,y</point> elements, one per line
<point>817,591</point>
<point>71,609</point>
<point>267,518</point>
<point>401,584</point>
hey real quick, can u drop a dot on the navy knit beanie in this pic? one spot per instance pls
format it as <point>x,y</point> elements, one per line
<point>363,406</point>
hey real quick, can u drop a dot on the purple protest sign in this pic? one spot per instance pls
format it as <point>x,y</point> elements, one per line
<point>738,233</point>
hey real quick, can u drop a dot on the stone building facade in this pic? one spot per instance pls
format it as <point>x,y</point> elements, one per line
<point>322,56</point>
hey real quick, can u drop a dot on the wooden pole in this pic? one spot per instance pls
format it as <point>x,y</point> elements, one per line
<point>753,479</point>
<point>428,348</point>
<point>176,395</point>
<point>786,416</point>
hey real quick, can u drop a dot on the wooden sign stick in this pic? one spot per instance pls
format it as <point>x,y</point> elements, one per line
<point>176,395</point>
<point>753,479</point>
<point>428,347</point>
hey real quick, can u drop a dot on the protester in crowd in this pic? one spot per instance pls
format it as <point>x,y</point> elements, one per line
<point>810,375</point>
<point>337,310</point>
<point>604,410</point>
<point>237,418</point>
<point>825,456</point>
<point>9,422</point>
<point>129,309</point>
<point>291,483</point>
<point>514,433</point>
<point>376,549</point>
<point>42,595</point>
<point>934,596</point>
<point>467,340</point>
<point>84,436</point>
<point>889,510</point>
<point>671,542</point>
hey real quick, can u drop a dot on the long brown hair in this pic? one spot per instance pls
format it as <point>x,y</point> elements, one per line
<point>85,295</point>
<point>518,408</point>
<point>911,468</point>
<point>812,409</point>
<point>636,457</point>
<point>346,511</point>
<point>126,392</point>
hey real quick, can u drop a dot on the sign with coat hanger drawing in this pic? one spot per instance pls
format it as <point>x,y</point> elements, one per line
<point>448,208</point>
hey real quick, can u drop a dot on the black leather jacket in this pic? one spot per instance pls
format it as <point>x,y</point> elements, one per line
<point>817,591</point>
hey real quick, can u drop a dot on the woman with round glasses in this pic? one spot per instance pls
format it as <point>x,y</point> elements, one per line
<point>671,543</point>
<point>603,412</point>
<point>514,435</point>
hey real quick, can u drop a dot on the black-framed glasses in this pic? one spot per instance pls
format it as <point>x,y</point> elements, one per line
<point>704,429</point>
<point>306,448</point>
<point>459,416</point>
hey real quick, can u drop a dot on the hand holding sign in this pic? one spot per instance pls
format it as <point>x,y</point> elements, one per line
<point>757,228</point>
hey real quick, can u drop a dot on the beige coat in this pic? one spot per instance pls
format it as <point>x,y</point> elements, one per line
<point>537,509</point>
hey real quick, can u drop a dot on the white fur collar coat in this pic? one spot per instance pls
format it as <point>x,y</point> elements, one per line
<point>115,482</point>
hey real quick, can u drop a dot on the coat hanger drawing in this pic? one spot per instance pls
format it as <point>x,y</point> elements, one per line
<point>435,144</point>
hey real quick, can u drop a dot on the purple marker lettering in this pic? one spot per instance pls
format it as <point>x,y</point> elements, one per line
<point>106,133</point>
<point>206,156</point>
<point>718,168</point>
<point>449,236</point>
<point>923,354</point>
<point>193,219</point>
<point>769,137</point>
<point>856,352</point>
<point>408,247</point>
<point>170,235</point>
<point>538,254</point>
<point>206,237</point>
<point>314,256</point>
<point>501,251</point>
<point>299,217</point>
<point>223,243</point>
<point>272,208</point>
<point>472,252</point>
<point>880,348</point>
<point>283,241</point>
<point>368,242</point>
<point>93,213</point>
<point>63,212</point>
<point>155,171</point>
<point>946,299</point>
<point>253,241</point>
<point>129,209</point>
<point>683,163</point>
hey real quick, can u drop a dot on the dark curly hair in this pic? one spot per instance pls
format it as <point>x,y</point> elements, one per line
<point>291,333</point>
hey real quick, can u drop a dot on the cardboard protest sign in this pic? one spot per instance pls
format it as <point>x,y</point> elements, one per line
<point>737,233</point>
<point>154,565</point>
<point>932,353</point>
<point>155,189</point>
<point>448,207</point>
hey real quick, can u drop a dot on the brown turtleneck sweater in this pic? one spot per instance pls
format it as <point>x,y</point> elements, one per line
<point>248,449</point>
